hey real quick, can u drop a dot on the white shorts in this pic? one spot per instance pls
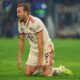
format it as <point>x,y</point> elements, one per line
<point>33,58</point>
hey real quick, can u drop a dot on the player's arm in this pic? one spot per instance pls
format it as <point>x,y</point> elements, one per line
<point>41,47</point>
<point>20,48</point>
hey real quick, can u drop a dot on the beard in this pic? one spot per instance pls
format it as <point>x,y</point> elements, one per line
<point>21,19</point>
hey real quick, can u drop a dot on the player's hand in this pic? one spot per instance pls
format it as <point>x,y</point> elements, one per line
<point>40,64</point>
<point>19,64</point>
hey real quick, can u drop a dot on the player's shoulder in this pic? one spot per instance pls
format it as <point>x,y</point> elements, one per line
<point>34,19</point>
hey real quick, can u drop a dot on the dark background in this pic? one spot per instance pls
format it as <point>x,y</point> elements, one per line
<point>61,17</point>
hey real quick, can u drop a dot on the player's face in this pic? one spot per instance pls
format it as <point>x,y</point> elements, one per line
<point>21,14</point>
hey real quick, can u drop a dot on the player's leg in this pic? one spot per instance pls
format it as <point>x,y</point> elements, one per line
<point>48,70</point>
<point>31,64</point>
<point>30,70</point>
<point>48,62</point>
<point>61,70</point>
<point>57,70</point>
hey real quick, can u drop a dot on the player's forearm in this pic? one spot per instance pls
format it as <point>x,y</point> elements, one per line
<point>21,48</point>
<point>41,47</point>
<point>41,51</point>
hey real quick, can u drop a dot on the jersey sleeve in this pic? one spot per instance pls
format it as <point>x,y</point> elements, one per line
<point>20,30</point>
<point>39,27</point>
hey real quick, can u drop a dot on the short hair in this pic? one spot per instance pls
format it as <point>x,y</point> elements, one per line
<point>25,6</point>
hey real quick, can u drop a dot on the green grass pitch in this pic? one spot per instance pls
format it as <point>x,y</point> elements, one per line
<point>67,52</point>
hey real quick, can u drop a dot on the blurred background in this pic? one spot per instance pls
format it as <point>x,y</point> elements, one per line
<point>61,17</point>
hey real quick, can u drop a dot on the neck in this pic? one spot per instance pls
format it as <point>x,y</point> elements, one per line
<point>26,18</point>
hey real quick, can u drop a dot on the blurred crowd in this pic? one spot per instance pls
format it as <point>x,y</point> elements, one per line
<point>61,17</point>
<point>8,18</point>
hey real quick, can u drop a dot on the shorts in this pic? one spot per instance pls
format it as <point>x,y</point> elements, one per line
<point>33,58</point>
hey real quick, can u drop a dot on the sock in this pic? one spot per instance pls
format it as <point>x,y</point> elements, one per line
<point>57,70</point>
<point>37,71</point>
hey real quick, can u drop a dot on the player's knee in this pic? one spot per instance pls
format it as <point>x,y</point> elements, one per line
<point>47,72</point>
<point>27,73</point>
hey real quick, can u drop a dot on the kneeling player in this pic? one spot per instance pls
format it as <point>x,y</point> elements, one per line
<point>41,48</point>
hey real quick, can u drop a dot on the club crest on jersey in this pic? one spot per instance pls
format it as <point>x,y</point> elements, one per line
<point>22,29</point>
